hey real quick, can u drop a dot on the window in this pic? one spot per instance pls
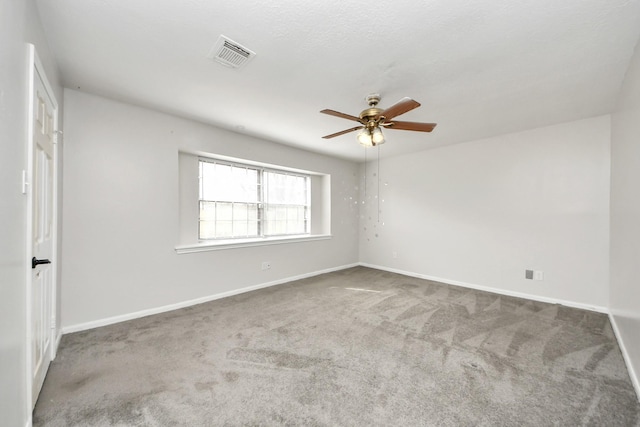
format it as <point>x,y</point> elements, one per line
<point>229,202</point>
<point>244,201</point>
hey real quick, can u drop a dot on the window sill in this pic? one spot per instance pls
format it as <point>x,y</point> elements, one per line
<point>217,245</point>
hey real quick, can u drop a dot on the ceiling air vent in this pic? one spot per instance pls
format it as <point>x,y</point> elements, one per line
<point>230,53</point>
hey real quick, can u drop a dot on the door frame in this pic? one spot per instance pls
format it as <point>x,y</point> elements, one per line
<point>36,68</point>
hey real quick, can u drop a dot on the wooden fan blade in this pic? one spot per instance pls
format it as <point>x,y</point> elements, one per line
<point>342,115</point>
<point>333,135</point>
<point>419,127</point>
<point>400,107</point>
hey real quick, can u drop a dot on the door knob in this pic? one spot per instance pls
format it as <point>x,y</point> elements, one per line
<point>35,261</point>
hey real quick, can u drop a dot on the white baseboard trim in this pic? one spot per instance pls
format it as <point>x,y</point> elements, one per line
<point>625,355</point>
<point>29,421</point>
<point>57,343</point>
<point>148,312</point>
<point>573,304</point>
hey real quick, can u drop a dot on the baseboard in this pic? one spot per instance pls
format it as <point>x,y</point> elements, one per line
<point>29,421</point>
<point>143,313</point>
<point>625,355</point>
<point>57,343</point>
<point>573,304</point>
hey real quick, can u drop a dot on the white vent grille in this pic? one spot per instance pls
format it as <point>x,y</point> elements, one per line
<point>230,53</point>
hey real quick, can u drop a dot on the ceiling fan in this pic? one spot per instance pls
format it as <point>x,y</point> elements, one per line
<point>373,119</point>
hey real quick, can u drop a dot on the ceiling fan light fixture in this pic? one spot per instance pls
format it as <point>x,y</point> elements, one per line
<point>370,137</point>
<point>377,137</point>
<point>365,138</point>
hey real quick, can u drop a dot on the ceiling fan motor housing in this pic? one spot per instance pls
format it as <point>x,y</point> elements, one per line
<point>370,114</point>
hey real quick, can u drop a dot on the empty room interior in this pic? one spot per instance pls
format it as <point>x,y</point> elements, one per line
<point>331,213</point>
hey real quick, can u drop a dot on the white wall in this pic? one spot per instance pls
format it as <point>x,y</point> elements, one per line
<point>482,212</point>
<point>19,24</point>
<point>121,213</point>
<point>625,217</point>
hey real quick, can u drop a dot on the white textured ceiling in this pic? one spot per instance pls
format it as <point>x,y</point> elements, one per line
<point>479,68</point>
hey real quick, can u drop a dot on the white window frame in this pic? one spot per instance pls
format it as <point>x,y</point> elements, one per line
<point>262,203</point>
<point>188,202</point>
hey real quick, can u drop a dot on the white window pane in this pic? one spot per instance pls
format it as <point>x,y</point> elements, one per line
<point>293,212</point>
<point>252,228</point>
<point>251,186</point>
<point>207,230</point>
<point>224,211</point>
<point>224,228</point>
<point>228,183</point>
<point>207,211</point>
<point>206,170</point>
<point>240,211</point>
<point>213,176</point>
<point>268,227</point>
<point>275,191</point>
<point>270,212</point>
<point>240,228</point>
<point>244,188</point>
<point>296,227</point>
<point>276,227</point>
<point>286,189</point>
<point>252,212</point>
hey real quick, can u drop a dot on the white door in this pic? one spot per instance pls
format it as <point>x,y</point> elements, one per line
<point>42,206</point>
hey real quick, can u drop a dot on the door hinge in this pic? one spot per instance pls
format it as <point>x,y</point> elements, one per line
<point>57,136</point>
<point>25,182</point>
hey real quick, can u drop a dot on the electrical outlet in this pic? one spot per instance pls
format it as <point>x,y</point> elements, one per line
<point>266,265</point>
<point>528,274</point>
<point>394,254</point>
<point>538,275</point>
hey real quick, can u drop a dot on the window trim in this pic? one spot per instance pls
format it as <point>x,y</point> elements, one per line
<point>215,245</point>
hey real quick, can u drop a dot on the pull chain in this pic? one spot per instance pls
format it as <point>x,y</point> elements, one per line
<point>365,175</point>
<point>378,173</point>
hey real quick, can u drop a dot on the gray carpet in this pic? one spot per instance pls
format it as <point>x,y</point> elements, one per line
<point>356,347</point>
